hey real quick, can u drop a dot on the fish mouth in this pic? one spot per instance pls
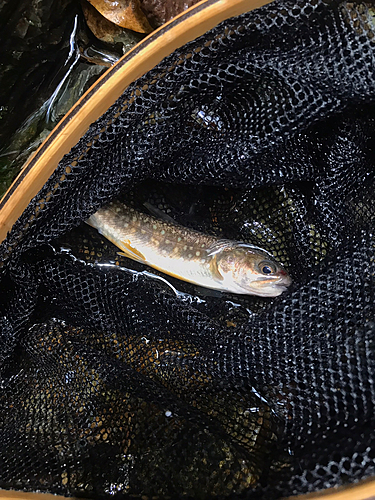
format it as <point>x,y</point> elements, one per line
<point>283,281</point>
<point>272,287</point>
<point>271,291</point>
<point>281,287</point>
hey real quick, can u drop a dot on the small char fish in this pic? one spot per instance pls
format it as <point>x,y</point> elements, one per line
<point>190,255</point>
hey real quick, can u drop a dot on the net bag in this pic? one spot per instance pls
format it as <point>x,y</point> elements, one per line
<point>118,380</point>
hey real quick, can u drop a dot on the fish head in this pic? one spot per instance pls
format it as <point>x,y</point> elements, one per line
<point>250,270</point>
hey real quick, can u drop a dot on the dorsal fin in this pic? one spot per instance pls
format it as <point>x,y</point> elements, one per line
<point>159,213</point>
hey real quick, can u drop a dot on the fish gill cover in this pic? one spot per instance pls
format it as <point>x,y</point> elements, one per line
<point>119,381</point>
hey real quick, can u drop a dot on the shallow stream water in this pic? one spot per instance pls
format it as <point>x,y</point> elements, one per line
<point>49,58</point>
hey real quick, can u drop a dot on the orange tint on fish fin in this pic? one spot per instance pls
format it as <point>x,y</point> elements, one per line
<point>215,270</point>
<point>130,252</point>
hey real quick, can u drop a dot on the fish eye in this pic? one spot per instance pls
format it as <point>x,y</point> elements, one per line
<point>267,268</point>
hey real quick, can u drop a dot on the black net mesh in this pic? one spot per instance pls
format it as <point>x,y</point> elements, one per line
<point>116,379</point>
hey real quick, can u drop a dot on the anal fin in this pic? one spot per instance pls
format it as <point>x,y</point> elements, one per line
<point>130,252</point>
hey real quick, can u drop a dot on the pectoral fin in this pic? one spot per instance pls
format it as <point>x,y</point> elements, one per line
<point>130,252</point>
<point>215,270</point>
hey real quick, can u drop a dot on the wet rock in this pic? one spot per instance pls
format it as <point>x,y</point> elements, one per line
<point>125,13</point>
<point>108,32</point>
<point>159,12</point>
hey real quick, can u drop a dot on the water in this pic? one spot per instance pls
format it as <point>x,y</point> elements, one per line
<point>49,58</point>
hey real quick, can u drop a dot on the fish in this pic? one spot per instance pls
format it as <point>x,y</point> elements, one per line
<point>189,255</point>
